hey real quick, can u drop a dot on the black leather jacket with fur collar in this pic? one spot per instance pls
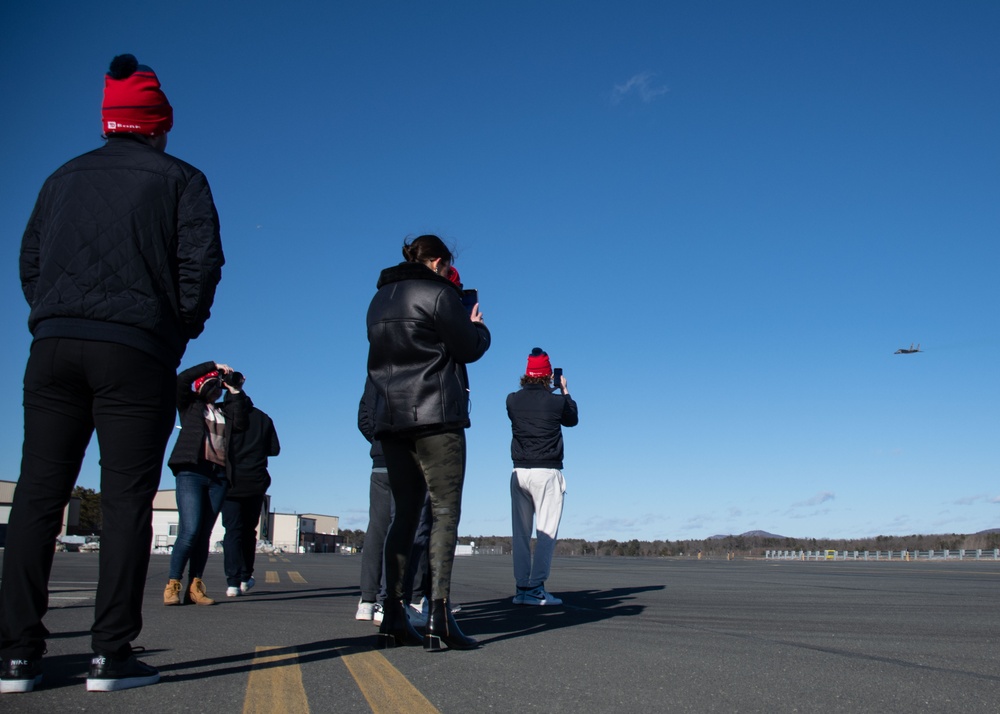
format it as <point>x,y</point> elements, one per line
<point>420,339</point>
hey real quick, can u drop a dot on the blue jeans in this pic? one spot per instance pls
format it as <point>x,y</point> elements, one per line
<point>199,499</point>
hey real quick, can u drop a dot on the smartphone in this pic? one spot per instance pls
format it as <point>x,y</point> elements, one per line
<point>470,298</point>
<point>557,377</point>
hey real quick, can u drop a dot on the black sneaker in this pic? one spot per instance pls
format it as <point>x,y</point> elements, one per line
<point>19,675</point>
<point>109,675</point>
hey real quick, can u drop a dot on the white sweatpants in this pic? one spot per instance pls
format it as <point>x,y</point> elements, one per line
<point>535,493</point>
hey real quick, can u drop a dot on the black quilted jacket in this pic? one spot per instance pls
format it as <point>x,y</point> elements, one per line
<point>420,338</point>
<point>123,246</point>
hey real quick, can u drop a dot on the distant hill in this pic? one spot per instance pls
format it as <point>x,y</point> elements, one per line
<point>748,534</point>
<point>765,534</point>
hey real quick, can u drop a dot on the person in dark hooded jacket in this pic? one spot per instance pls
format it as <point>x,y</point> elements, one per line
<point>248,452</point>
<point>420,338</point>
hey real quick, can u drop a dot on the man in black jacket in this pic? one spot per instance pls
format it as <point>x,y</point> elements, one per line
<point>119,265</point>
<point>537,485</point>
<point>247,454</point>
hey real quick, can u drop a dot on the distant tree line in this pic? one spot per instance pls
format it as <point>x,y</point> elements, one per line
<point>751,545</point>
<point>746,545</point>
<point>90,512</point>
<point>353,539</point>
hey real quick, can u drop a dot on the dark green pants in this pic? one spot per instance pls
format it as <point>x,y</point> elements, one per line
<point>433,465</point>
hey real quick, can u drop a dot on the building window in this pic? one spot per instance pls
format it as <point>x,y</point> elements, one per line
<point>173,529</point>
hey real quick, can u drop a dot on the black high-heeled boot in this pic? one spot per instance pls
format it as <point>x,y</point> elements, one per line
<point>396,630</point>
<point>442,629</point>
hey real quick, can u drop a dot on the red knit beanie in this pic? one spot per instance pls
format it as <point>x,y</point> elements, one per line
<point>538,364</point>
<point>207,380</point>
<point>133,100</point>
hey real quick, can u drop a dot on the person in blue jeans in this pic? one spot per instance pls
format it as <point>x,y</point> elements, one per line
<point>202,470</point>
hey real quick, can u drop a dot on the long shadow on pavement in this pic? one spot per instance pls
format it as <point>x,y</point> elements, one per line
<point>484,618</point>
<point>244,662</point>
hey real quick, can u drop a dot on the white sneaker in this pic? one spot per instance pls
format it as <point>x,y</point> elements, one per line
<point>232,592</point>
<point>417,613</point>
<point>248,585</point>
<point>423,607</point>
<point>538,596</point>
<point>366,610</point>
<point>377,612</point>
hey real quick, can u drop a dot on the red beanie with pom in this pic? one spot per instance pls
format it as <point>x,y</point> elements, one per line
<point>133,101</point>
<point>538,364</point>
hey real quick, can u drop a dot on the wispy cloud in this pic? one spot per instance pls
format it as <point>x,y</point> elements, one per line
<point>641,86</point>
<point>605,527</point>
<point>821,497</point>
<point>978,498</point>
<point>811,514</point>
<point>697,522</point>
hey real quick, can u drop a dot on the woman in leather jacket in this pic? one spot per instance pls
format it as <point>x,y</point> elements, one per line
<point>420,338</point>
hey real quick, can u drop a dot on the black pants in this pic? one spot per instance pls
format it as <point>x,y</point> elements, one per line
<point>71,388</point>
<point>240,517</point>
<point>418,572</point>
<point>433,465</point>
<point>381,511</point>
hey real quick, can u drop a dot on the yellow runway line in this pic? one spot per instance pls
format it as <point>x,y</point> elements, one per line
<point>384,688</point>
<point>295,577</point>
<point>271,576</point>
<point>275,688</point>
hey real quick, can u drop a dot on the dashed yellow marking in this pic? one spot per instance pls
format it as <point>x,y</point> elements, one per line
<point>275,687</point>
<point>384,688</point>
<point>295,577</point>
<point>271,576</point>
<point>272,559</point>
<point>285,560</point>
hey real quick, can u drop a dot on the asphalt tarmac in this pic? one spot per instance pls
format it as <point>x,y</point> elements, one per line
<point>655,635</point>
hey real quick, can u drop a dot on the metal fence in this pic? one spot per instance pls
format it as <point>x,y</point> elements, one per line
<point>979,554</point>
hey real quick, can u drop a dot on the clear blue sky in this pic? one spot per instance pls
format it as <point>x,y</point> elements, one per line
<point>721,219</point>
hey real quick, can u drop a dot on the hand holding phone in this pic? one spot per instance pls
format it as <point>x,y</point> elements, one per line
<point>470,298</point>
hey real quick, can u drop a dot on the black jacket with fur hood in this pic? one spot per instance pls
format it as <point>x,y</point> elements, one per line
<point>420,338</point>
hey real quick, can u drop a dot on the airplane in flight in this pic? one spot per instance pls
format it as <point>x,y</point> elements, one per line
<point>909,351</point>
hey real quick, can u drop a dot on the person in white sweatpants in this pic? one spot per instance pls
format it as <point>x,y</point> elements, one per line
<point>537,486</point>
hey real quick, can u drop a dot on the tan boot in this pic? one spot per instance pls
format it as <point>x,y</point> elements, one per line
<point>172,593</point>
<point>198,594</point>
